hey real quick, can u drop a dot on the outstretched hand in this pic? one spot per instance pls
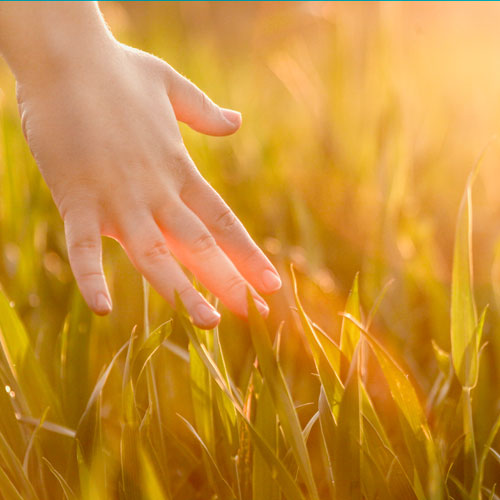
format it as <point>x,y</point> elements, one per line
<point>104,134</point>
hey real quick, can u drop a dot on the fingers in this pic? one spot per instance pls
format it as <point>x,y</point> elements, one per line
<point>196,248</point>
<point>197,110</point>
<point>83,239</point>
<point>147,249</point>
<point>230,235</point>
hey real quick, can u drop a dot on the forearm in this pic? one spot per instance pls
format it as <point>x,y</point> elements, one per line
<point>41,38</point>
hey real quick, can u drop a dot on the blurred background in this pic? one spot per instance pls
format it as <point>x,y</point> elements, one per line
<point>361,122</point>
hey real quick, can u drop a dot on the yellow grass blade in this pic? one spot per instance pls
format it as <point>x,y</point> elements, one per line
<point>464,346</point>
<point>281,395</point>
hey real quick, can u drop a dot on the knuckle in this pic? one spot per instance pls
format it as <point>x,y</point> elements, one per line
<point>155,249</point>
<point>180,162</point>
<point>185,291</point>
<point>206,103</point>
<point>226,221</point>
<point>203,243</point>
<point>83,244</point>
<point>178,154</point>
<point>253,253</point>
<point>234,283</point>
<point>88,275</point>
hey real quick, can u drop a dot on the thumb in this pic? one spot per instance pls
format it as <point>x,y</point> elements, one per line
<point>196,109</point>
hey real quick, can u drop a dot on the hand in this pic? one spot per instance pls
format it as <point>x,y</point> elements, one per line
<point>104,133</point>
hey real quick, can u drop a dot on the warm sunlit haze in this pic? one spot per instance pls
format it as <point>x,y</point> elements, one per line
<point>362,123</point>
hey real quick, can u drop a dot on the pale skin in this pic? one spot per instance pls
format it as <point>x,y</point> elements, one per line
<point>101,121</point>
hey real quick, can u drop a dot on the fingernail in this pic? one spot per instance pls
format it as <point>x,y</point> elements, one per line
<point>206,314</point>
<point>261,306</point>
<point>233,117</point>
<point>271,280</point>
<point>102,303</point>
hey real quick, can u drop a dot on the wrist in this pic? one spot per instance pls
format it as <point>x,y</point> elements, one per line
<point>42,40</point>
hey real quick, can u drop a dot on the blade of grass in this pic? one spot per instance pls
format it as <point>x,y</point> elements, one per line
<point>347,445</point>
<point>68,492</point>
<point>147,350</point>
<point>202,394</point>
<point>23,363</point>
<point>223,488</point>
<point>326,358</point>
<point>328,431</point>
<point>7,488</point>
<point>266,424</point>
<point>48,426</point>
<point>152,486</point>
<point>31,443</point>
<point>12,465</point>
<point>414,424</point>
<point>280,394</point>
<point>478,480</point>
<point>89,421</point>
<point>282,475</point>
<point>9,426</point>
<point>349,333</point>
<point>464,344</point>
<point>156,428</point>
<point>386,460</point>
<point>74,369</point>
<point>226,411</point>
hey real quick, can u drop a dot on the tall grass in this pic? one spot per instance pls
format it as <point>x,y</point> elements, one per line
<point>247,440</point>
<point>375,385</point>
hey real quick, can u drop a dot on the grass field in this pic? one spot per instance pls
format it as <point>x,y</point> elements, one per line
<point>368,142</point>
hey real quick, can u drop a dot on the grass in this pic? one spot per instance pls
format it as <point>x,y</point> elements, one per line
<point>375,376</point>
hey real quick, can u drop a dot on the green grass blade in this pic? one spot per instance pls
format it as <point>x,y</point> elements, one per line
<point>376,445</point>
<point>148,349</point>
<point>152,342</point>
<point>152,486</point>
<point>68,492</point>
<point>226,411</point>
<point>86,429</point>
<point>48,426</point>
<point>99,386</point>
<point>202,397</point>
<point>414,423</point>
<point>401,388</point>
<point>129,461</point>
<point>281,396</point>
<point>223,488</point>
<point>34,435</point>
<point>266,424</point>
<point>283,477</point>
<point>386,460</point>
<point>12,465</point>
<point>478,480</point>
<point>75,352</point>
<point>369,413</point>
<point>470,450</point>
<point>326,356</point>
<point>347,447</point>
<point>9,425</point>
<point>23,363</point>
<point>328,429</point>
<point>7,489</point>
<point>464,346</point>
<point>349,334</point>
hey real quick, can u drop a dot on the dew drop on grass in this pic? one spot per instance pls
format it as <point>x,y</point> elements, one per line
<point>9,391</point>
